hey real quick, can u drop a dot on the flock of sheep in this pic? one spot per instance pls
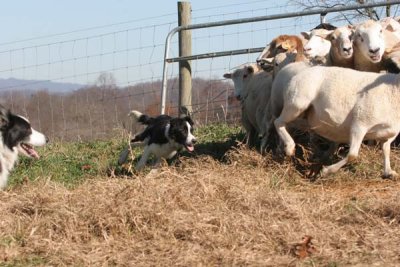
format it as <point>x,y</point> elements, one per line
<point>341,83</point>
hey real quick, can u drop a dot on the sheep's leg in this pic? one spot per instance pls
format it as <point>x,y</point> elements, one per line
<point>249,138</point>
<point>355,144</point>
<point>252,137</point>
<point>289,113</point>
<point>334,167</point>
<point>388,172</point>
<point>267,133</point>
<point>248,128</point>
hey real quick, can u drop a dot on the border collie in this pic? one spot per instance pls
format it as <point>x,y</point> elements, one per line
<point>17,137</point>
<point>162,137</point>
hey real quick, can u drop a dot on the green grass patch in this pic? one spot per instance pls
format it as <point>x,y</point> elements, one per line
<point>71,163</point>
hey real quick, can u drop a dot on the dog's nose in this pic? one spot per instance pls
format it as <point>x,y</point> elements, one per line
<point>47,140</point>
<point>194,141</point>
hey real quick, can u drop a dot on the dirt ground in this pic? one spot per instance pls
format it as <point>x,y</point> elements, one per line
<point>244,209</point>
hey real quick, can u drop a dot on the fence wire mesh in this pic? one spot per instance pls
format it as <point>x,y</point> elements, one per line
<point>81,84</point>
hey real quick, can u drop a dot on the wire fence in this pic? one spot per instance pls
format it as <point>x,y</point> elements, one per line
<point>81,84</point>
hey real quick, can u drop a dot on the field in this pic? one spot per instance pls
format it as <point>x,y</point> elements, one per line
<point>223,205</point>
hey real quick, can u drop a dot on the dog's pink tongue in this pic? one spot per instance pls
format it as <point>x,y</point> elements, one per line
<point>190,148</point>
<point>32,152</point>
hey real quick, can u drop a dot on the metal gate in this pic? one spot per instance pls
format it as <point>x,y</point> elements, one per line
<point>168,60</point>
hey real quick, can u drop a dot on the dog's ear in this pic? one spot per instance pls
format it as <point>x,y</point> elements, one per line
<point>189,120</point>
<point>4,115</point>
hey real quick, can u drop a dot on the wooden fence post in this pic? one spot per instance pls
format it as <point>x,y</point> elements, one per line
<point>185,70</point>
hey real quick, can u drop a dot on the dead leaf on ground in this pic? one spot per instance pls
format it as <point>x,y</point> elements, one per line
<point>304,249</point>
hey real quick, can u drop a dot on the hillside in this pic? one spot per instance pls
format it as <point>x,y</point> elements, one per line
<point>37,85</point>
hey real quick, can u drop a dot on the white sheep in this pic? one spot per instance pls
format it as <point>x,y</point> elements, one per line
<point>344,106</point>
<point>391,56</point>
<point>317,45</point>
<point>369,46</point>
<point>330,47</point>
<point>341,52</point>
<point>275,104</point>
<point>240,77</point>
<point>252,86</point>
<point>376,47</point>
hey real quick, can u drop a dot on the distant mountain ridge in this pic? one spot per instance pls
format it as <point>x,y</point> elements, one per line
<point>37,85</point>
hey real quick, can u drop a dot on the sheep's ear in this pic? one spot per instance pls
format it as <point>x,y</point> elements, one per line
<point>306,35</point>
<point>386,24</point>
<point>389,27</point>
<point>330,37</point>
<point>326,34</point>
<point>351,27</point>
<point>250,69</point>
<point>228,75</point>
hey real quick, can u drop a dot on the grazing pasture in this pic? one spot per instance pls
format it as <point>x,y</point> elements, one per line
<point>223,205</point>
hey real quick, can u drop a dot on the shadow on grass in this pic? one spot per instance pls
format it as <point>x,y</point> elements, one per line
<point>217,149</point>
<point>311,153</point>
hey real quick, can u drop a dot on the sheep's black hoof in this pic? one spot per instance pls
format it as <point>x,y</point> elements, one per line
<point>391,176</point>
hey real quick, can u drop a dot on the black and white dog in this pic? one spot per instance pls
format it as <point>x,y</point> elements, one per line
<point>17,137</point>
<point>162,137</point>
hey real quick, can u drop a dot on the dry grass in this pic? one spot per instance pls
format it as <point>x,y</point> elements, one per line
<point>243,210</point>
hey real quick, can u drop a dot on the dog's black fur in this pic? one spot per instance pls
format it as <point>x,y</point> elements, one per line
<point>14,130</point>
<point>155,130</point>
<point>163,136</point>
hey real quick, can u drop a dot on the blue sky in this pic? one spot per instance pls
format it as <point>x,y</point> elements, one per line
<point>86,38</point>
<point>22,19</point>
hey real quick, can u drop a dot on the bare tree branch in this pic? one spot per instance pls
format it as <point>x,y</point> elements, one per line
<point>352,16</point>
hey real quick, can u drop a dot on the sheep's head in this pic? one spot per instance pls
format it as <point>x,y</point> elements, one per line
<point>317,45</point>
<point>240,78</point>
<point>281,44</point>
<point>368,37</point>
<point>342,41</point>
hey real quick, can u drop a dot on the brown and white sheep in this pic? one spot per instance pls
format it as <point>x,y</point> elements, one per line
<point>281,44</point>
